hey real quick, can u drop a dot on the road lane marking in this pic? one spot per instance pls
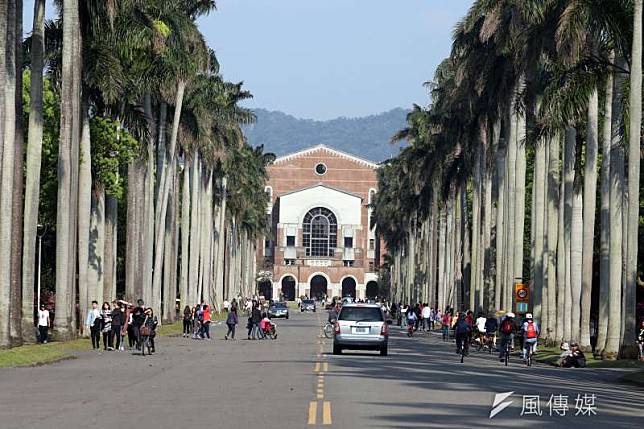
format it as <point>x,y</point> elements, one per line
<point>313,412</point>
<point>317,366</point>
<point>326,413</point>
<point>320,396</point>
<point>325,366</point>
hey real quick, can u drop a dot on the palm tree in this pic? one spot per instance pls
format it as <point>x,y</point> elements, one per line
<point>32,175</point>
<point>8,79</point>
<point>634,178</point>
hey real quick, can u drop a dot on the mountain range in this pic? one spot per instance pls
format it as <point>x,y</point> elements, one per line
<point>367,137</point>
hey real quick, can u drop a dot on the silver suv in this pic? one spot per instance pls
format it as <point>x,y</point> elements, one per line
<point>361,327</point>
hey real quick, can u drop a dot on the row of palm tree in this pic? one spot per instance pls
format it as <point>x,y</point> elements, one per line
<point>147,120</point>
<point>501,170</point>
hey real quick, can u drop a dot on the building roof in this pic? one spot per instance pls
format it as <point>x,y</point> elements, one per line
<point>320,148</point>
<point>333,188</point>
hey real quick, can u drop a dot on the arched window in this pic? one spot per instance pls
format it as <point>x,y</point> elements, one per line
<point>320,232</point>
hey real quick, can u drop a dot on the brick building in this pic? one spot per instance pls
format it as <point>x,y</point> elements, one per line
<point>321,240</point>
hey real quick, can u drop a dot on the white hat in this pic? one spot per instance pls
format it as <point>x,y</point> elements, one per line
<point>510,314</point>
<point>528,316</point>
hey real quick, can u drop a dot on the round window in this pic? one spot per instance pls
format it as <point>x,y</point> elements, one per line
<point>320,169</point>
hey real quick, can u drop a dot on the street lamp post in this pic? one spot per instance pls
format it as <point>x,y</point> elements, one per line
<point>44,230</point>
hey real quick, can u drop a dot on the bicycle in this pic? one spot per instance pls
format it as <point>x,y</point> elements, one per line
<point>530,353</point>
<point>489,342</point>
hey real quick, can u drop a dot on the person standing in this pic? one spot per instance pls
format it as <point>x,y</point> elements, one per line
<point>93,323</point>
<point>138,316</point>
<point>106,326</point>
<point>231,321</point>
<point>118,320</point>
<point>255,318</point>
<point>187,321</point>
<point>43,324</point>
<point>427,317</point>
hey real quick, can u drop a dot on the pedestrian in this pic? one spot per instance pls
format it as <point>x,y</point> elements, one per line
<point>106,326</point>
<point>118,320</point>
<point>226,305</point>
<point>231,321</point>
<point>93,323</point>
<point>131,334</point>
<point>446,322</point>
<point>138,317</point>
<point>187,321</point>
<point>254,319</point>
<point>427,317</point>
<point>150,320</point>
<point>198,331</point>
<point>206,322</point>
<point>43,324</point>
<point>403,314</point>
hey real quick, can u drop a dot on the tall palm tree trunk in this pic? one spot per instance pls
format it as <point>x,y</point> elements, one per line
<point>562,279</point>
<point>569,179</point>
<point>590,196</point>
<point>538,214</point>
<point>552,217</point>
<point>84,213</point>
<point>18,183</point>
<point>604,264</point>
<point>111,231</point>
<point>634,180</point>
<point>185,236</point>
<point>520,194</point>
<point>500,227</point>
<point>476,224</point>
<point>616,214</point>
<point>162,202</point>
<point>8,51</point>
<point>193,270</point>
<point>135,228</point>
<point>65,208</point>
<point>32,177</point>
<point>96,246</point>
<point>576,249</point>
<point>510,209</point>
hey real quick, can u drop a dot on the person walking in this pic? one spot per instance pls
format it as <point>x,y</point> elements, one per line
<point>206,322</point>
<point>118,320</point>
<point>231,321</point>
<point>255,318</point>
<point>106,326</point>
<point>187,321</point>
<point>93,324</point>
<point>43,324</point>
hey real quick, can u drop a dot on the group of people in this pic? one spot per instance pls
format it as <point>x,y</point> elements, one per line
<point>420,316</point>
<point>118,321</point>
<point>197,321</point>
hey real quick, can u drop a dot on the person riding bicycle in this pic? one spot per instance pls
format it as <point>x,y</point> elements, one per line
<point>530,332</point>
<point>462,332</point>
<point>333,315</point>
<point>480,328</point>
<point>491,326</point>
<point>506,331</point>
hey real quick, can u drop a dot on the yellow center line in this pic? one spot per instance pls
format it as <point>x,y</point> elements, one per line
<point>317,366</point>
<point>325,365</point>
<point>320,396</point>
<point>326,413</point>
<point>313,412</point>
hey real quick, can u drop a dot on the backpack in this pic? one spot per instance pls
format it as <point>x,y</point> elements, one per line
<point>506,326</point>
<point>531,332</point>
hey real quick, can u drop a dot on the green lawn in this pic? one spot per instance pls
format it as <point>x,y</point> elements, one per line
<point>40,354</point>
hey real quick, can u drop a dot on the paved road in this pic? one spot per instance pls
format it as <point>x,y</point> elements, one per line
<point>294,381</point>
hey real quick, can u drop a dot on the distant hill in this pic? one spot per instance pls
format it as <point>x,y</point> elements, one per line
<point>367,137</point>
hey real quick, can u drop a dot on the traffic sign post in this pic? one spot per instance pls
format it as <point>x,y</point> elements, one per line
<point>521,297</point>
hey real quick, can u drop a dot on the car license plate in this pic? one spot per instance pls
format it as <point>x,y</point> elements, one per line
<point>358,330</point>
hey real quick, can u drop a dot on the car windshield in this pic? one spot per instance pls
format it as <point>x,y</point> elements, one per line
<point>279,305</point>
<point>308,301</point>
<point>361,314</point>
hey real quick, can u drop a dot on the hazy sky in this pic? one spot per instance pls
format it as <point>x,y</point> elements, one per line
<point>327,58</point>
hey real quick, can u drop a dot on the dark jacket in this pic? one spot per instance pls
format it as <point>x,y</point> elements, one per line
<point>118,318</point>
<point>462,327</point>
<point>232,318</point>
<point>256,315</point>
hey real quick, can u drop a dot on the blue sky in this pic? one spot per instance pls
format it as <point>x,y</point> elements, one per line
<point>322,59</point>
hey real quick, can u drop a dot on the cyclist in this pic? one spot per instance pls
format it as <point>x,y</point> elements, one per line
<point>480,329</point>
<point>530,332</point>
<point>462,332</point>
<point>640,340</point>
<point>506,331</point>
<point>491,325</point>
